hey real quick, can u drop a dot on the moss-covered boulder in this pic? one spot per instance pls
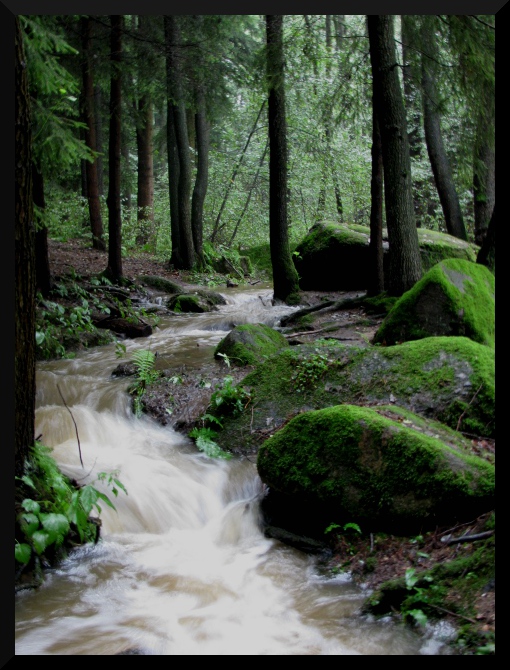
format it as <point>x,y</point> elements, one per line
<point>355,464</point>
<point>250,343</point>
<point>334,256</point>
<point>161,284</point>
<point>199,300</point>
<point>455,297</point>
<point>448,379</point>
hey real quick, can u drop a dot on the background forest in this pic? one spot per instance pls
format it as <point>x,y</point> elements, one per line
<point>207,74</point>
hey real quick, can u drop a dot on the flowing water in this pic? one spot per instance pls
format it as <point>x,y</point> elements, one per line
<point>182,567</point>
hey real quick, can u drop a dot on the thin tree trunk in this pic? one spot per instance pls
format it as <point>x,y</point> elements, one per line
<point>216,226</point>
<point>484,174</point>
<point>487,254</point>
<point>201,181</point>
<point>181,136</point>
<point>99,139</point>
<point>24,266</point>
<point>114,269</point>
<point>405,260</point>
<point>285,278</point>
<point>433,137</point>
<point>96,222</point>
<point>250,192</point>
<point>145,174</point>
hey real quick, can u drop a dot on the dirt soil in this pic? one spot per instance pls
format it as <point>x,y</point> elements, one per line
<point>394,555</point>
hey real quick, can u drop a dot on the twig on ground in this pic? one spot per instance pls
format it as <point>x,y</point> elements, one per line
<point>75,426</point>
<point>469,404</point>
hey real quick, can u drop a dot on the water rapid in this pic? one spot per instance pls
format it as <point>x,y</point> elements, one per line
<point>182,567</point>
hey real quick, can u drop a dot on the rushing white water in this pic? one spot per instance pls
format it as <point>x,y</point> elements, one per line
<point>182,567</point>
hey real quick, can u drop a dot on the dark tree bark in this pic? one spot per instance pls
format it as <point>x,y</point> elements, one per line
<point>410,92</point>
<point>42,260</point>
<point>376,271</point>
<point>405,267</point>
<point>487,254</point>
<point>201,181</point>
<point>145,174</point>
<point>96,222</point>
<point>174,61</point>
<point>114,269</point>
<point>24,264</point>
<point>99,138</point>
<point>484,174</point>
<point>437,153</point>
<point>285,278</point>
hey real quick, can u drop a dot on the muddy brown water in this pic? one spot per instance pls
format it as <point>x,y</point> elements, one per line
<point>183,567</point>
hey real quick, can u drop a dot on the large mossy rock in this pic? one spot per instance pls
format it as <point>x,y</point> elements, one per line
<point>161,284</point>
<point>334,256</point>
<point>449,379</point>
<point>198,300</point>
<point>250,344</point>
<point>455,297</point>
<point>356,464</point>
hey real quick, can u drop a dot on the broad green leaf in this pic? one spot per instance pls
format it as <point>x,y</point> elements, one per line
<point>22,552</point>
<point>55,523</point>
<point>39,337</point>
<point>31,505</point>
<point>419,616</point>
<point>88,497</point>
<point>41,539</point>
<point>31,523</point>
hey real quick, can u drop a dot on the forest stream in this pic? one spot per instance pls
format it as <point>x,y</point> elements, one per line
<point>182,566</point>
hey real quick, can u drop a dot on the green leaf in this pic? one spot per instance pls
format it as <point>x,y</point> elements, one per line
<point>31,505</point>
<point>39,337</point>
<point>410,578</point>
<point>353,526</point>
<point>419,616</point>
<point>88,497</point>
<point>107,500</point>
<point>31,523</point>
<point>22,552</point>
<point>55,523</point>
<point>41,539</point>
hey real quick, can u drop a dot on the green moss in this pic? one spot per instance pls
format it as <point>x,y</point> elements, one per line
<point>455,297</point>
<point>374,468</point>
<point>250,344</point>
<point>160,283</point>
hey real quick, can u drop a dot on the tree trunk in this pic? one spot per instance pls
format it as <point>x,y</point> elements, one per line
<point>375,283</point>
<point>96,222</point>
<point>24,266</point>
<point>405,261</point>
<point>99,139</point>
<point>484,174</point>
<point>201,181</point>
<point>175,55</point>
<point>435,147</point>
<point>114,269</point>
<point>42,261</point>
<point>145,189</point>
<point>285,278</point>
<point>487,254</point>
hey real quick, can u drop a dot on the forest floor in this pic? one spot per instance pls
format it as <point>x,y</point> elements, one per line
<point>393,555</point>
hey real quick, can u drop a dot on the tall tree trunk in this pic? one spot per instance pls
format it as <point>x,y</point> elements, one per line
<point>375,283</point>
<point>173,159</point>
<point>405,261</point>
<point>114,269</point>
<point>42,261</point>
<point>145,175</point>
<point>24,266</point>
<point>285,278</point>
<point>96,222</point>
<point>181,136</point>
<point>201,181</point>
<point>484,174</point>
<point>99,139</point>
<point>487,254</point>
<point>433,137</point>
